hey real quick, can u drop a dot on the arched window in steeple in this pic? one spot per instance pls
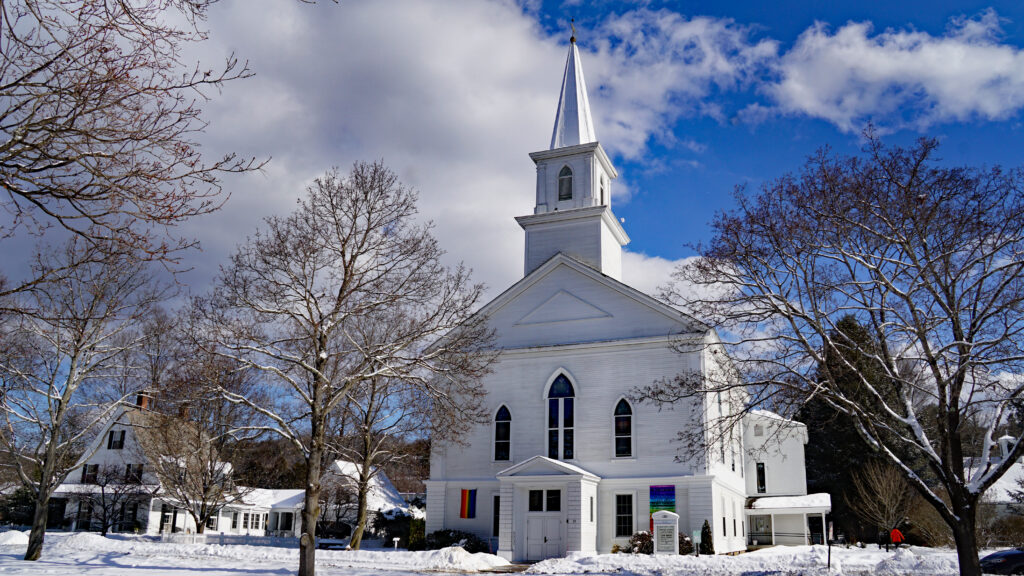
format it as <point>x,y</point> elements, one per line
<point>623,430</point>
<point>561,417</point>
<point>565,184</point>
<point>503,434</point>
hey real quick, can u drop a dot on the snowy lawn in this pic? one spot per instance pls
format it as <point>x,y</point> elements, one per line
<point>84,554</point>
<point>781,561</point>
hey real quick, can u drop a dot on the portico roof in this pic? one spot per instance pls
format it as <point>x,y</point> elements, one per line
<point>543,466</point>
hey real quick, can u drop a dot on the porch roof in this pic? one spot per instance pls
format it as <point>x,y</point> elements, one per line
<point>809,503</point>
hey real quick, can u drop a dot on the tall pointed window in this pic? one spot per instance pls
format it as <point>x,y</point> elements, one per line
<point>565,184</point>
<point>561,415</point>
<point>623,430</point>
<point>604,200</point>
<point>502,434</point>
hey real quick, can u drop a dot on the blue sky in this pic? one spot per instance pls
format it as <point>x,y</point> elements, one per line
<point>690,99</point>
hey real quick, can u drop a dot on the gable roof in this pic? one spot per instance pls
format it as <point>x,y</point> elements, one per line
<point>544,466</point>
<point>686,323</point>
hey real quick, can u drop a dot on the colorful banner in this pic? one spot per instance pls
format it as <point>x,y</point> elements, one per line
<point>662,498</point>
<point>468,507</point>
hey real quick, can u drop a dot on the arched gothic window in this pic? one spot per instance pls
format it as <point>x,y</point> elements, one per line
<point>561,416</point>
<point>623,430</point>
<point>565,184</point>
<point>604,200</point>
<point>502,434</point>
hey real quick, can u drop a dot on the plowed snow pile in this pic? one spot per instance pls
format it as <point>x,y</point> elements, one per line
<point>13,538</point>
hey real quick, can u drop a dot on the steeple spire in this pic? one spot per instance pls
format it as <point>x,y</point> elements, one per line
<point>573,124</point>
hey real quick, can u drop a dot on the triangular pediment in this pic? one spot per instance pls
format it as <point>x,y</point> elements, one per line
<point>542,466</point>
<point>562,307</point>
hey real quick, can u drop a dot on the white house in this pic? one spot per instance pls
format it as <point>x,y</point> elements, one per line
<point>568,463</point>
<point>779,510</point>
<point>143,505</point>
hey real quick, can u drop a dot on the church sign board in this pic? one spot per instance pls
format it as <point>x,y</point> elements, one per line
<point>666,532</point>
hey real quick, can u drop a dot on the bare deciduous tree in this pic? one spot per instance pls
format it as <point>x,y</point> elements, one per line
<point>100,119</point>
<point>882,495</point>
<point>68,333</point>
<point>929,259</point>
<point>298,299</point>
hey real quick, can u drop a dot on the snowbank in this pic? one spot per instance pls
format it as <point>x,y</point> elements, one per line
<point>447,559</point>
<point>13,538</point>
<point>781,560</point>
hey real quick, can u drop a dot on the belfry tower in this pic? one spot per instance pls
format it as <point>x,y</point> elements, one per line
<point>573,213</point>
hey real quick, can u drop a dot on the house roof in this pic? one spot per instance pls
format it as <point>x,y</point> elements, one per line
<point>999,492</point>
<point>271,498</point>
<point>382,494</point>
<point>802,503</point>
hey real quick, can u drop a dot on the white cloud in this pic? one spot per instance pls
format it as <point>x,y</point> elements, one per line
<point>452,96</point>
<point>650,68</point>
<point>900,78</point>
<point>648,273</point>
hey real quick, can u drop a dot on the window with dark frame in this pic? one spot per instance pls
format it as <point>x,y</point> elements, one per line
<point>760,478</point>
<point>115,440</point>
<point>565,184</point>
<point>502,434</point>
<point>553,499</point>
<point>90,473</point>
<point>561,416</point>
<point>623,515</point>
<point>536,501</point>
<point>623,430</point>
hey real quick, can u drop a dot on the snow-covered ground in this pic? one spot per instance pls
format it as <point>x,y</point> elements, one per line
<point>84,554</point>
<point>781,561</point>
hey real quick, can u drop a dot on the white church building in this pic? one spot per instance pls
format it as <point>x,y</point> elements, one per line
<point>568,463</point>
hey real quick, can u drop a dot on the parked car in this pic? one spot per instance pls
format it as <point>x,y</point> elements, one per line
<point>1006,562</point>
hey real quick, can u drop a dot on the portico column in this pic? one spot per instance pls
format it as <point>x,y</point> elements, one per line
<point>773,529</point>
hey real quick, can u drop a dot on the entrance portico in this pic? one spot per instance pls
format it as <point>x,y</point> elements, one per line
<point>547,510</point>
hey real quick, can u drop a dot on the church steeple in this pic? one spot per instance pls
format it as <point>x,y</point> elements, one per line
<point>573,214</point>
<point>573,123</point>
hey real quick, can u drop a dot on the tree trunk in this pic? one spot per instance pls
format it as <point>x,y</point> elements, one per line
<point>311,508</point>
<point>967,544</point>
<point>35,537</point>
<point>357,534</point>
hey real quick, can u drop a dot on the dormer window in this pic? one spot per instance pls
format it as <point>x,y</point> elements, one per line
<point>565,184</point>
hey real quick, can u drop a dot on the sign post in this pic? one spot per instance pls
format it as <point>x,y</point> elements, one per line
<point>666,532</point>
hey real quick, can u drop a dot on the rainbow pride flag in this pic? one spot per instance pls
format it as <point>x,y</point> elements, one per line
<point>468,507</point>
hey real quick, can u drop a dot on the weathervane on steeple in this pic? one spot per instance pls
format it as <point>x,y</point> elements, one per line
<point>573,28</point>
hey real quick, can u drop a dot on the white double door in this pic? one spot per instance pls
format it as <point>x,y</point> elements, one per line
<point>544,535</point>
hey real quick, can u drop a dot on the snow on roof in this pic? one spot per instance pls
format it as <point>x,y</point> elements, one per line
<point>382,494</point>
<point>76,488</point>
<point>999,492</point>
<point>760,412</point>
<point>268,498</point>
<point>822,500</point>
